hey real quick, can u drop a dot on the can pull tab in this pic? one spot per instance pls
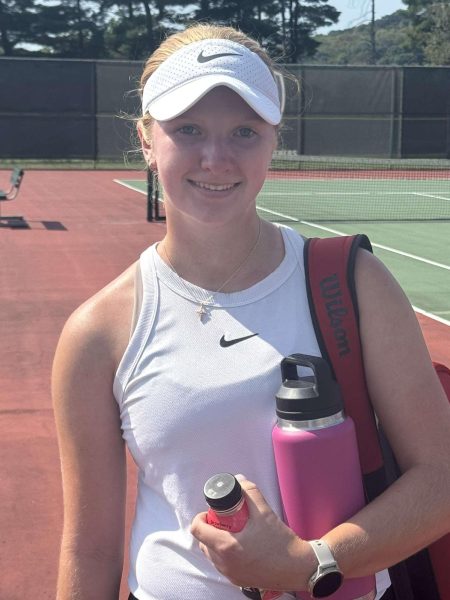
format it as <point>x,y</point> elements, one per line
<point>319,366</point>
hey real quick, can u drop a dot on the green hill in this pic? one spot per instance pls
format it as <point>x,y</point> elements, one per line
<point>353,46</point>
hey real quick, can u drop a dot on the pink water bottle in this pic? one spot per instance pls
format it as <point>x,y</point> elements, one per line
<point>317,460</point>
<point>228,510</point>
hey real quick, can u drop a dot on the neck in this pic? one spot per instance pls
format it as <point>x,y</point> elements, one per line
<point>222,258</point>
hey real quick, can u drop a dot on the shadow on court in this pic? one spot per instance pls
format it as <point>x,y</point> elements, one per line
<point>13,223</point>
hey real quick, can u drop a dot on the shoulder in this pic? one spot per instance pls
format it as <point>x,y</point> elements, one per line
<point>380,296</point>
<point>387,318</point>
<point>97,332</point>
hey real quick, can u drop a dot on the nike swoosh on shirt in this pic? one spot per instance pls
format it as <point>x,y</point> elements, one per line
<point>202,59</point>
<point>225,343</point>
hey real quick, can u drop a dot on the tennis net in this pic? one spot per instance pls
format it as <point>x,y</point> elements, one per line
<point>333,189</point>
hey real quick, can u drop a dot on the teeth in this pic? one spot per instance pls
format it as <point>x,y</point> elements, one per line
<point>214,188</point>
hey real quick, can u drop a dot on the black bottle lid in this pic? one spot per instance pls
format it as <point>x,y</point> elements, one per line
<point>222,491</point>
<point>311,397</point>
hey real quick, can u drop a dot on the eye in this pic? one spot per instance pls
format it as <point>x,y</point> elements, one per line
<point>189,130</point>
<point>245,132</point>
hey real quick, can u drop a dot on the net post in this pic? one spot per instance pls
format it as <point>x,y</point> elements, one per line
<point>149,195</point>
<point>158,215</point>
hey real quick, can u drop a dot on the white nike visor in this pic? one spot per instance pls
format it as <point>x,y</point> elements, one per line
<point>194,70</point>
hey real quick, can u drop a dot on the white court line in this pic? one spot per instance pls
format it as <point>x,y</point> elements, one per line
<point>130,187</point>
<point>416,309</point>
<point>278,214</point>
<point>430,196</point>
<point>431,316</point>
<point>387,248</point>
<point>360,193</point>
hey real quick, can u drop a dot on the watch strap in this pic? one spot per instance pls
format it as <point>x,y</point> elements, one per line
<point>323,553</point>
<point>328,577</point>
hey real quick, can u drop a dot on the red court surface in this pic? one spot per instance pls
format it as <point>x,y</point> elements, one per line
<point>45,273</point>
<point>84,229</point>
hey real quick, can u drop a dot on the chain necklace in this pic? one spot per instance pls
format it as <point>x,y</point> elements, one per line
<point>205,305</point>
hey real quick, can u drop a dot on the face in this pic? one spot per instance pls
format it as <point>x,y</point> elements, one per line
<point>212,160</point>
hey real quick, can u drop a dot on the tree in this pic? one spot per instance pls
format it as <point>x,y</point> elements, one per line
<point>437,46</point>
<point>300,19</point>
<point>254,17</point>
<point>72,29</point>
<point>351,47</point>
<point>429,31</point>
<point>284,27</point>
<point>136,27</point>
<point>419,27</point>
<point>132,29</point>
<point>16,17</point>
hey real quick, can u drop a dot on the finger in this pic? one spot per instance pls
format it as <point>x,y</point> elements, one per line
<point>198,524</point>
<point>205,533</point>
<point>246,484</point>
<point>255,498</point>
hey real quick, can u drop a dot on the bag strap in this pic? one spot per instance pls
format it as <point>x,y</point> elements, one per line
<point>329,269</point>
<point>330,284</point>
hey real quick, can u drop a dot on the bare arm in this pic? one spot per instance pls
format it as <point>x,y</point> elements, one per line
<point>415,414</point>
<point>92,461</point>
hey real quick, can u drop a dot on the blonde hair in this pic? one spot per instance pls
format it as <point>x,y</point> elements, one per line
<point>194,33</point>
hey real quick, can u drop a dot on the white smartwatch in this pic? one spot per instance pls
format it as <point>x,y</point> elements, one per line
<point>328,578</point>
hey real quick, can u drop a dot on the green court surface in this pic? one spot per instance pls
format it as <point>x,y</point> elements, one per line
<point>355,198</point>
<point>407,221</point>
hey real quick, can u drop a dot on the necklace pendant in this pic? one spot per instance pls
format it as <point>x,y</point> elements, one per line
<point>201,311</point>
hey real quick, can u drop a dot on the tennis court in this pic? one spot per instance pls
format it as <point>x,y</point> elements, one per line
<point>404,211</point>
<point>47,272</point>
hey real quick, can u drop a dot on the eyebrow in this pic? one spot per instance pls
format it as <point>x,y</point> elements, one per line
<point>192,120</point>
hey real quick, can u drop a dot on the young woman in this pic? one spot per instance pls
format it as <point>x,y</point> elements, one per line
<point>212,310</point>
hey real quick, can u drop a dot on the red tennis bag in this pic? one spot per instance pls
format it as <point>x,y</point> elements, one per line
<point>329,268</point>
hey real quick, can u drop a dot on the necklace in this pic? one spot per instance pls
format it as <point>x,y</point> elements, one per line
<point>205,305</point>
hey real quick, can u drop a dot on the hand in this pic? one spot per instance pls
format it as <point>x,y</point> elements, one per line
<point>266,554</point>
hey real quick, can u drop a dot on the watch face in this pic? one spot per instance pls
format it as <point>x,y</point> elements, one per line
<point>327,584</point>
<point>251,592</point>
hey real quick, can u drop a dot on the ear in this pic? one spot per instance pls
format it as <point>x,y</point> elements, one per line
<point>147,149</point>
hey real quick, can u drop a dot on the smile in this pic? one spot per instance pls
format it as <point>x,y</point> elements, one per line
<point>214,187</point>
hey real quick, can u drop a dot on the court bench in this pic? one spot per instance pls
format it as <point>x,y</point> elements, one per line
<point>9,194</point>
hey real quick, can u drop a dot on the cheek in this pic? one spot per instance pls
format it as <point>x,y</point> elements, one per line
<point>162,157</point>
<point>169,166</point>
<point>259,166</point>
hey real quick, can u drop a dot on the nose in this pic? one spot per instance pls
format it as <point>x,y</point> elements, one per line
<point>216,155</point>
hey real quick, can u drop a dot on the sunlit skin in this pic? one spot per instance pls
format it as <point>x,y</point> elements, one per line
<point>212,160</point>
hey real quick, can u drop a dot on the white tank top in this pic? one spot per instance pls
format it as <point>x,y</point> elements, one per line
<point>191,406</point>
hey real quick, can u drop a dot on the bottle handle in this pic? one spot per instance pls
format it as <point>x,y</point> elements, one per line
<point>317,364</point>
